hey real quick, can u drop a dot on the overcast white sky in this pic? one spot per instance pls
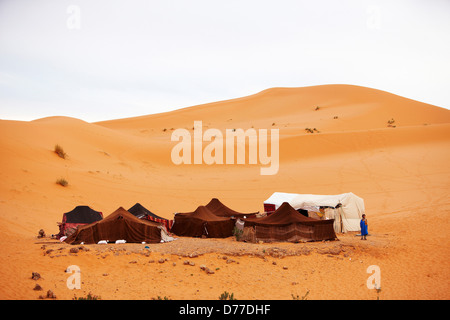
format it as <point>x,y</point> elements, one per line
<point>105,59</point>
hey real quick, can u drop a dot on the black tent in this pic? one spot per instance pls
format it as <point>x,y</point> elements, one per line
<point>202,223</point>
<point>119,225</point>
<point>80,215</point>
<point>139,211</point>
<point>287,224</point>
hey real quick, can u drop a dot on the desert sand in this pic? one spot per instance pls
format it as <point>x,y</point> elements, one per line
<point>400,169</point>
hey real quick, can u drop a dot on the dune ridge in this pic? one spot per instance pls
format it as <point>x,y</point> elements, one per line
<point>356,108</point>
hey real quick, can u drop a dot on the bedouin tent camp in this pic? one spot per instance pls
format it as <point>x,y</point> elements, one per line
<point>202,223</point>
<point>346,209</point>
<point>79,216</point>
<point>141,212</point>
<point>119,225</point>
<point>221,210</point>
<point>287,224</point>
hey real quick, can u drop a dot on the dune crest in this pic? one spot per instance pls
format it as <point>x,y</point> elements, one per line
<point>327,107</point>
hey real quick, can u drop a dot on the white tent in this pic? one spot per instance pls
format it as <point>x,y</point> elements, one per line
<point>347,216</point>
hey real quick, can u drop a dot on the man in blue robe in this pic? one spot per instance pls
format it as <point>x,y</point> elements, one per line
<point>364,228</point>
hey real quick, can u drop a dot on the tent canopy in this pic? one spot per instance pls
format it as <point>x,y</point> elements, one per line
<point>299,201</point>
<point>138,210</point>
<point>202,222</point>
<point>119,225</point>
<point>277,198</point>
<point>221,210</point>
<point>82,214</point>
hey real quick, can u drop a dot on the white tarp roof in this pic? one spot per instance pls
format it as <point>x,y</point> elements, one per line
<point>312,200</point>
<point>277,198</point>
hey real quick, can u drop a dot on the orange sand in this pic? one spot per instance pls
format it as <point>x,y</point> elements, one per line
<point>402,173</point>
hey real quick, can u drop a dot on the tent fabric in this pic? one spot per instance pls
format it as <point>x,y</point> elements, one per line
<point>202,223</point>
<point>141,212</point>
<point>221,210</point>
<point>277,198</point>
<point>239,224</point>
<point>138,210</point>
<point>348,208</point>
<point>80,215</point>
<point>287,224</point>
<point>119,225</point>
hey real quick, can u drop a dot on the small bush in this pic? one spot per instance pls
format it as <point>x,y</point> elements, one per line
<point>88,297</point>
<point>161,298</point>
<point>63,182</point>
<point>237,233</point>
<point>378,290</point>
<point>297,297</point>
<point>226,296</point>
<point>60,151</point>
<point>391,123</point>
<point>309,130</point>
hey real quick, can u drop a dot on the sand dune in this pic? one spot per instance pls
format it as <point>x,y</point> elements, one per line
<point>357,108</point>
<point>402,173</point>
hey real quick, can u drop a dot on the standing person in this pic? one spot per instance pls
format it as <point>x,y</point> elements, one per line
<point>363,225</point>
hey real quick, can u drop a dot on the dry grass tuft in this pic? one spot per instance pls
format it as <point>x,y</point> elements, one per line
<point>63,182</point>
<point>60,151</point>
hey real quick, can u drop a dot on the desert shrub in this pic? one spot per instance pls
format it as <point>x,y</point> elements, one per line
<point>297,297</point>
<point>226,296</point>
<point>88,297</point>
<point>161,298</point>
<point>309,130</point>
<point>237,233</point>
<point>60,151</point>
<point>391,124</point>
<point>63,182</point>
<point>378,290</point>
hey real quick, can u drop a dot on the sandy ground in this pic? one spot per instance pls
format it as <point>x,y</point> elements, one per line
<point>402,173</point>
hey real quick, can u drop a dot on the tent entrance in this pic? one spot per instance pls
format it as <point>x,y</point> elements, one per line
<point>303,212</point>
